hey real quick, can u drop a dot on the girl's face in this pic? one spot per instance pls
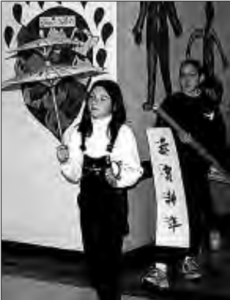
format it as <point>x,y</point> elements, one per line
<point>189,79</point>
<point>99,103</point>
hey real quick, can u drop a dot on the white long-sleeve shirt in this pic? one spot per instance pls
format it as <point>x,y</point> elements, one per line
<point>124,152</point>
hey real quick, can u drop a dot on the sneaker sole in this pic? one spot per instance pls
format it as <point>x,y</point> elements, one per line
<point>153,285</point>
<point>193,276</point>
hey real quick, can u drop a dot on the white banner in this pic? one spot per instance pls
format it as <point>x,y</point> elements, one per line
<point>172,228</point>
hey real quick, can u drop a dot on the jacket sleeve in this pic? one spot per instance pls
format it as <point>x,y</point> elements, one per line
<point>125,154</point>
<point>72,168</point>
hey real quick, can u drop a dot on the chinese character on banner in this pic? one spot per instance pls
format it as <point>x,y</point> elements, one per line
<point>163,147</point>
<point>166,171</point>
<point>173,223</point>
<point>170,197</point>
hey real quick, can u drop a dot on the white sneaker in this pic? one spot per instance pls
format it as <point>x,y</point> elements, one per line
<point>191,268</point>
<point>157,278</point>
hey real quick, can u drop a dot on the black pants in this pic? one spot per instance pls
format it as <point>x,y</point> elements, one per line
<point>103,212</point>
<point>103,253</point>
<point>199,204</point>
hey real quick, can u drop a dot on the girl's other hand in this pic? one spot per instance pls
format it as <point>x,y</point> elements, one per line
<point>185,138</point>
<point>62,153</point>
<point>110,177</point>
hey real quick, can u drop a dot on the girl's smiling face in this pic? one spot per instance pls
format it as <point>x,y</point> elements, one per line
<point>99,103</point>
<point>189,79</point>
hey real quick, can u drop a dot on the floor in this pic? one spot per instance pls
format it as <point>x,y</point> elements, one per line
<point>38,277</point>
<point>19,288</point>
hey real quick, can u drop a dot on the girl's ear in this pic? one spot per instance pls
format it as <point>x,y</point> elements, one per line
<point>114,108</point>
<point>202,78</point>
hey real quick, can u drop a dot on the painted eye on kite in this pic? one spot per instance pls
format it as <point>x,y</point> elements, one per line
<point>81,36</point>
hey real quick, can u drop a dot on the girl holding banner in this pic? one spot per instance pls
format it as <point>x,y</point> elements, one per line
<point>193,111</point>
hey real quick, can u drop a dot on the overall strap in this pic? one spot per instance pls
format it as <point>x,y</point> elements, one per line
<point>110,146</point>
<point>112,142</point>
<point>83,139</point>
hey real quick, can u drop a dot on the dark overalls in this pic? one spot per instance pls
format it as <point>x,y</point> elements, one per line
<point>104,223</point>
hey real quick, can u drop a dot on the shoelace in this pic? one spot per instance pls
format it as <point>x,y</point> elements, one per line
<point>158,274</point>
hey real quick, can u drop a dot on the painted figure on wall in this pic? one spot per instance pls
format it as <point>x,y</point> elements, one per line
<point>157,42</point>
<point>210,40</point>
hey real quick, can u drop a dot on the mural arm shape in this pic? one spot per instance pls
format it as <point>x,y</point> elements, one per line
<point>196,34</point>
<point>220,49</point>
<point>138,27</point>
<point>174,19</point>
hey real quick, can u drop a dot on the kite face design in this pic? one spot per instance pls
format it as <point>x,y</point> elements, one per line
<point>55,59</point>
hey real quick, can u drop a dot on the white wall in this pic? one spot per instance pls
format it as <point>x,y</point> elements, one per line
<point>38,205</point>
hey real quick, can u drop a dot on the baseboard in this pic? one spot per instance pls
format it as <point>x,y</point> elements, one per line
<point>44,263</point>
<point>18,251</point>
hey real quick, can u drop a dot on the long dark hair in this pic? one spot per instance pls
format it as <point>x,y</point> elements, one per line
<point>118,113</point>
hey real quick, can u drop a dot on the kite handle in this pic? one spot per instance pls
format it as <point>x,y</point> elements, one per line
<point>56,111</point>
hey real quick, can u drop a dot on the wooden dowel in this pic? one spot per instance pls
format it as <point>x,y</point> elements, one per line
<point>194,144</point>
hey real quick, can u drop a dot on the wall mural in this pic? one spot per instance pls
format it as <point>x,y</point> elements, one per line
<point>156,14</point>
<point>210,39</point>
<point>57,54</point>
